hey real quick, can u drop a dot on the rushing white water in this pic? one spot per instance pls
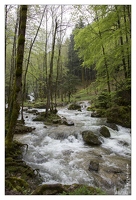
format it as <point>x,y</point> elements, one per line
<point>31,97</point>
<point>61,156</point>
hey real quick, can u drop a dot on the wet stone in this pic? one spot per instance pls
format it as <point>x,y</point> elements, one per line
<point>94,165</point>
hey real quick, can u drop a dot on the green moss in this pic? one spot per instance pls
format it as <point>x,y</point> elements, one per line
<point>19,177</point>
<point>120,115</point>
<point>85,190</point>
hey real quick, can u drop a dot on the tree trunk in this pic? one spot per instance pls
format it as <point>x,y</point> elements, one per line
<point>5,46</point>
<point>18,76</point>
<point>28,60</point>
<point>13,68</point>
<point>49,92</point>
<point>121,43</point>
<point>106,64</point>
<point>127,41</point>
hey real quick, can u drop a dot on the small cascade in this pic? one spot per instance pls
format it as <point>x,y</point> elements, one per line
<point>31,97</point>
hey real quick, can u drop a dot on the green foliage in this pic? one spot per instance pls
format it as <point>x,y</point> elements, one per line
<point>85,190</point>
<point>105,43</point>
<point>120,115</point>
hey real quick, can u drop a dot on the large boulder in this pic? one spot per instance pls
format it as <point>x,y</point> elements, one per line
<point>105,131</point>
<point>90,138</point>
<point>74,106</point>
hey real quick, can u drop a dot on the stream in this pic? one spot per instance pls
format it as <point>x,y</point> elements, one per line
<point>61,155</point>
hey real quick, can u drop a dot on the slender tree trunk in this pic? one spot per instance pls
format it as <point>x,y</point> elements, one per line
<point>57,77</point>
<point>28,60</point>
<point>127,41</point>
<point>49,93</point>
<point>18,76</point>
<point>5,33</point>
<point>13,67</point>
<point>129,17</point>
<point>121,43</point>
<point>106,64</point>
<point>6,94</point>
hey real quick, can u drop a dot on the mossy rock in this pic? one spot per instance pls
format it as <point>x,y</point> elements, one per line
<point>105,131</point>
<point>50,189</point>
<point>21,129</point>
<point>112,126</point>
<point>74,189</point>
<point>74,106</point>
<point>90,138</point>
<point>77,189</point>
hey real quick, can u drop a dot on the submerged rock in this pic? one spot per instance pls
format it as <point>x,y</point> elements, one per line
<point>94,165</point>
<point>105,131</point>
<point>68,122</point>
<point>90,138</point>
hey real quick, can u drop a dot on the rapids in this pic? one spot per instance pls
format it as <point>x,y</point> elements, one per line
<point>61,155</point>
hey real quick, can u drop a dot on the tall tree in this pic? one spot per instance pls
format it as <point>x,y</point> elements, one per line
<point>50,80</point>
<point>104,43</point>
<point>13,67</point>
<point>28,60</point>
<point>18,76</point>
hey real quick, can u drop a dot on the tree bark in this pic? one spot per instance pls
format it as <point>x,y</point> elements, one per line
<point>121,43</point>
<point>105,60</point>
<point>18,76</point>
<point>28,60</point>
<point>13,68</point>
<point>49,90</point>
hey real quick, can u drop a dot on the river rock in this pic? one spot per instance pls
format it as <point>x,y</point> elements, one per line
<point>95,114</point>
<point>56,121</point>
<point>21,129</point>
<point>112,126</point>
<point>94,165</point>
<point>74,106</point>
<point>105,131</point>
<point>74,189</point>
<point>50,189</point>
<point>90,138</point>
<point>68,122</point>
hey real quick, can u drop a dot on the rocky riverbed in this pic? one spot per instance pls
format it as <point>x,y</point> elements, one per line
<point>63,155</point>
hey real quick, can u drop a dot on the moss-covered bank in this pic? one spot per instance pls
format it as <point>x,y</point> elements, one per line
<point>20,179</point>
